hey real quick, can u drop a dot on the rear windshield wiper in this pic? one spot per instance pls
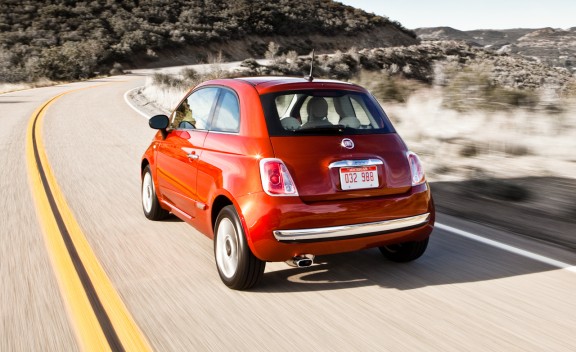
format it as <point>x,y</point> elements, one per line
<point>324,129</point>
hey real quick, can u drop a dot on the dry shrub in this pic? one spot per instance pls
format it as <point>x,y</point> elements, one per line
<point>442,170</point>
<point>569,89</point>
<point>167,80</point>
<point>473,88</point>
<point>387,88</point>
<point>469,150</point>
<point>272,51</point>
<point>516,150</point>
<point>117,69</point>
<point>166,90</point>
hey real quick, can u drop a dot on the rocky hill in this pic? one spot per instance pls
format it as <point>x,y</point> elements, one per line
<point>556,47</point>
<point>67,39</point>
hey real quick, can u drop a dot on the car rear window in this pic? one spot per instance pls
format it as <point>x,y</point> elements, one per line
<point>306,112</point>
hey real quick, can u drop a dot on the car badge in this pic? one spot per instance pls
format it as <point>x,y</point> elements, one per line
<point>347,143</point>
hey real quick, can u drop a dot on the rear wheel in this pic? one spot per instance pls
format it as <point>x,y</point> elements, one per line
<point>404,252</point>
<point>150,203</point>
<point>239,269</point>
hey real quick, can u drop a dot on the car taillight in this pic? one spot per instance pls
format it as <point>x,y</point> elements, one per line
<point>276,179</point>
<point>416,169</point>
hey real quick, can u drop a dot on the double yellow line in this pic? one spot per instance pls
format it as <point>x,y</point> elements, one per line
<point>98,314</point>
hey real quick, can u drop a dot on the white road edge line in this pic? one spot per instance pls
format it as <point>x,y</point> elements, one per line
<point>132,105</point>
<point>524,253</point>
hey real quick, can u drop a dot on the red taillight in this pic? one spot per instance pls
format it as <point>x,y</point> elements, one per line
<point>416,169</point>
<point>276,180</point>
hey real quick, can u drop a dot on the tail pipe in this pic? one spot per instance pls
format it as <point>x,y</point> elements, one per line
<point>301,261</point>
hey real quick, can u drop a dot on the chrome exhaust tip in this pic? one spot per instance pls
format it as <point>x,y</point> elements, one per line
<point>301,261</point>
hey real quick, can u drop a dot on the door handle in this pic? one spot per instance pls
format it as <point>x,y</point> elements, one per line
<point>193,156</point>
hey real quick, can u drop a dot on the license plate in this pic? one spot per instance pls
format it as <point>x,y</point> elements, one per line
<point>359,177</point>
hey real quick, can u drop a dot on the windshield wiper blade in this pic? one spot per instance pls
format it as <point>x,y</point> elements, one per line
<point>325,128</point>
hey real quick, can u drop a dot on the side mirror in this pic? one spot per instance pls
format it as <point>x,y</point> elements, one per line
<point>160,122</point>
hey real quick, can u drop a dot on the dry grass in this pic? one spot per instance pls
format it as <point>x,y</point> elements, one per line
<point>477,144</point>
<point>12,87</point>
<point>165,98</point>
<point>165,90</point>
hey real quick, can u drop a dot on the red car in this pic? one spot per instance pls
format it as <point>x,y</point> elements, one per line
<point>284,169</point>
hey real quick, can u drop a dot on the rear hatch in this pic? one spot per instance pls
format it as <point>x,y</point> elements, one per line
<point>324,168</point>
<point>336,142</point>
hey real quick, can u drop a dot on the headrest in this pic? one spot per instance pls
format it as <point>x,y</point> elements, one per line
<point>338,107</point>
<point>317,108</point>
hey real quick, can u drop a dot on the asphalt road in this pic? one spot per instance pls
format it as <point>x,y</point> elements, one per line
<point>461,295</point>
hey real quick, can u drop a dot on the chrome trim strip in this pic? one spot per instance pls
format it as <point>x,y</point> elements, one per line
<point>354,163</point>
<point>335,232</point>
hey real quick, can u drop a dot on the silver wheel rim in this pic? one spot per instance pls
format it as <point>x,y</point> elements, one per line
<point>227,248</point>
<point>147,192</point>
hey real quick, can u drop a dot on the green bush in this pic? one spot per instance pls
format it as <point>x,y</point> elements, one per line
<point>72,60</point>
<point>55,31</point>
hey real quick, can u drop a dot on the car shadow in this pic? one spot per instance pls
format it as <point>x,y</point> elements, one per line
<point>172,218</point>
<point>534,207</point>
<point>11,102</point>
<point>443,264</point>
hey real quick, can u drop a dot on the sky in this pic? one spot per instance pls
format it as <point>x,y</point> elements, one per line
<point>477,14</point>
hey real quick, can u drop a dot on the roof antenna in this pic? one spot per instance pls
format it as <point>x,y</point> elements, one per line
<point>310,78</point>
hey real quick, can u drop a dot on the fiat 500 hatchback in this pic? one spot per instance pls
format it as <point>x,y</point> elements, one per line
<point>284,169</point>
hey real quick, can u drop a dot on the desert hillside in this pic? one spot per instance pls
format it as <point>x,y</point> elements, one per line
<point>556,47</point>
<point>73,39</point>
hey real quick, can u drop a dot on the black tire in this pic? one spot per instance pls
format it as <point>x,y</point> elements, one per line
<point>404,252</point>
<point>239,269</point>
<point>150,204</point>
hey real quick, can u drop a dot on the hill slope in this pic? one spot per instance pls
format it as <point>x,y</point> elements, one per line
<point>555,47</point>
<point>62,39</point>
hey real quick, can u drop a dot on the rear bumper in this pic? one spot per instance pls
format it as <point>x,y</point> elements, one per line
<point>279,228</point>
<point>349,231</point>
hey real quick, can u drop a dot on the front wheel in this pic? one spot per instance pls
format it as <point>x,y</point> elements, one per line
<point>239,269</point>
<point>404,252</point>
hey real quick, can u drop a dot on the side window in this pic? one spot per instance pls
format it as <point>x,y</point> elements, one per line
<point>227,118</point>
<point>194,111</point>
<point>285,103</point>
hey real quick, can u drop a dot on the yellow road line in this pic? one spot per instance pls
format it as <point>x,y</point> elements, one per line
<point>101,319</point>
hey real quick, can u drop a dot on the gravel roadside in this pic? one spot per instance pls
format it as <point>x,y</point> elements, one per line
<point>539,207</point>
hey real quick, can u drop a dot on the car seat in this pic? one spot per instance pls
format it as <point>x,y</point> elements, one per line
<point>290,123</point>
<point>317,109</point>
<point>346,119</point>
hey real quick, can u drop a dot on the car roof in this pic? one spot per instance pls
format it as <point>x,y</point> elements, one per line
<point>271,84</point>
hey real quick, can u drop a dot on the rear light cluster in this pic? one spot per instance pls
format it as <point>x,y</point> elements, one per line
<point>276,179</point>
<point>416,169</point>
